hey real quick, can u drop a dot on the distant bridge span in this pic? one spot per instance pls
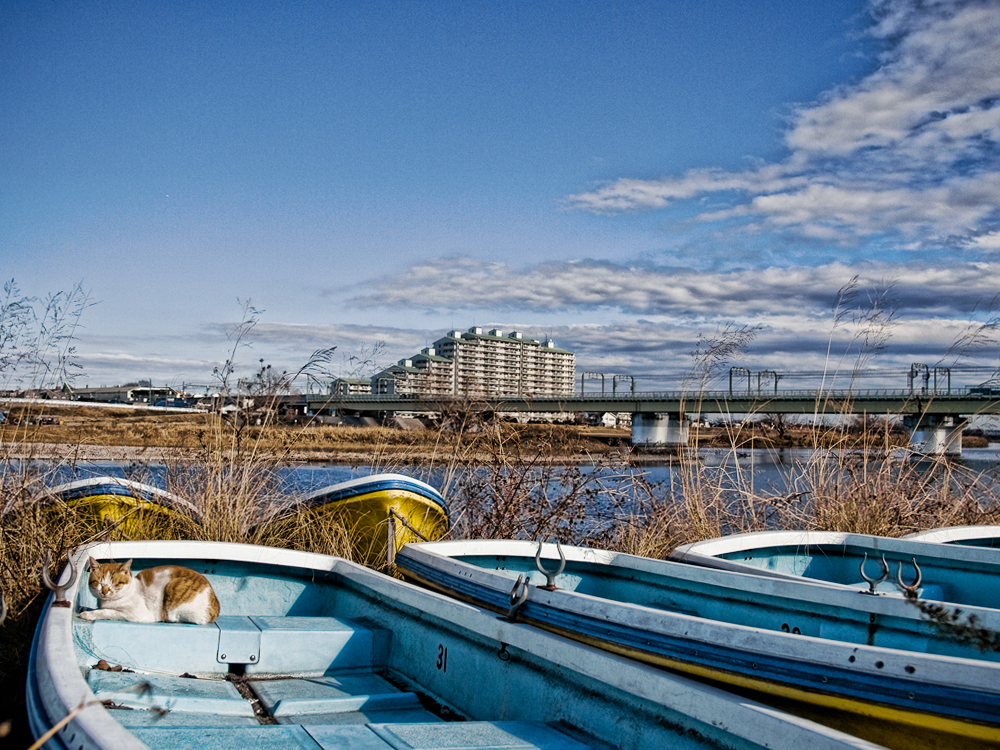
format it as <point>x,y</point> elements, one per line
<point>884,401</point>
<point>935,418</point>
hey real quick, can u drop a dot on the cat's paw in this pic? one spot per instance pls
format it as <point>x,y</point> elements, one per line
<point>90,614</point>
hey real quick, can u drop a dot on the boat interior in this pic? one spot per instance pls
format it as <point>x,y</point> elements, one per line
<point>945,577</point>
<point>309,659</point>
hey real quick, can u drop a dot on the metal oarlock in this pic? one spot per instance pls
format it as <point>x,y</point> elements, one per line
<point>910,589</point>
<point>58,590</point>
<point>873,582</point>
<point>550,575</point>
<point>518,595</point>
<point>3,607</point>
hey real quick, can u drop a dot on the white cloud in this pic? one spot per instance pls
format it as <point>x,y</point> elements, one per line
<point>469,284</point>
<point>619,319</point>
<point>913,148</point>
<point>989,241</point>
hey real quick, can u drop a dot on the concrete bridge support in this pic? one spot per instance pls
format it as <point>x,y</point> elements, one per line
<point>935,434</point>
<point>660,429</point>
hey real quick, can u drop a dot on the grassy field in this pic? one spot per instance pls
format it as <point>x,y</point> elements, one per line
<point>83,428</point>
<point>191,434</point>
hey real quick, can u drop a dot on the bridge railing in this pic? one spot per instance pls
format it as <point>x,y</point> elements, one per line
<point>690,397</point>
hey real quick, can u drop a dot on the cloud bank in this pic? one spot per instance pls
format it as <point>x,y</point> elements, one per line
<point>459,283</point>
<point>910,151</point>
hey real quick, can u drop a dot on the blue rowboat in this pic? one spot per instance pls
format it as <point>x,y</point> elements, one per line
<point>316,652</point>
<point>956,574</point>
<point>379,508</point>
<point>970,536</point>
<point>132,507</point>
<point>867,662</point>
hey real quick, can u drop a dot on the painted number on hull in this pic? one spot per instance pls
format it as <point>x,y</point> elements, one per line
<point>442,660</point>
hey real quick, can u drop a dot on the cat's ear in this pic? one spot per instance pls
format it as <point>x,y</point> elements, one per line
<point>94,563</point>
<point>127,566</point>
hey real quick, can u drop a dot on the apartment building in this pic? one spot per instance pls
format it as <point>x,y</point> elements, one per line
<point>478,363</point>
<point>351,386</point>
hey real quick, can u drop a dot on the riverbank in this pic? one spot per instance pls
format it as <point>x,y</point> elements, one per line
<point>97,434</point>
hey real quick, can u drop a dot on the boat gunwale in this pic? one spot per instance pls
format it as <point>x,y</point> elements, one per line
<point>331,493</point>
<point>756,540</point>
<point>949,534</point>
<point>90,487</point>
<point>743,579</point>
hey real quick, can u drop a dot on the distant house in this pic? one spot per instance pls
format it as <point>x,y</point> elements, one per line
<point>131,393</point>
<point>351,386</point>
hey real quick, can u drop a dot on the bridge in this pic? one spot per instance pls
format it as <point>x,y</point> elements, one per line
<point>934,416</point>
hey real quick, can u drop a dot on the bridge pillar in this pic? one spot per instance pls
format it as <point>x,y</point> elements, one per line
<point>658,428</point>
<point>935,434</point>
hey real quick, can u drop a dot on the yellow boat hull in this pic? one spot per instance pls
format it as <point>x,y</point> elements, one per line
<point>381,513</point>
<point>128,509</point>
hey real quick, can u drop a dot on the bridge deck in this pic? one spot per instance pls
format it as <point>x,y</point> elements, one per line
<point>883,401</point>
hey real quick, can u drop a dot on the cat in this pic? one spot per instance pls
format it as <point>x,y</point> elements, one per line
<point>168,593</point>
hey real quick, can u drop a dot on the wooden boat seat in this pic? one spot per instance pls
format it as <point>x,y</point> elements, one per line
<point>339,698</point>
<point>472,735</point>
<point>153,699</point>
<point>333,699</point>
<point>260,644</point>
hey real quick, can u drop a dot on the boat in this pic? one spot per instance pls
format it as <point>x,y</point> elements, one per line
<point>312,651</point>
<point>379,508</point>
<point>971,536</point>
<point>960,575</point>
<point>867,662</point>
<point>134,508</point>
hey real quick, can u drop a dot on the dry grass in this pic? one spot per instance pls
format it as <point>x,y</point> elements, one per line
<point>194,433</point>
<point>863,485</point>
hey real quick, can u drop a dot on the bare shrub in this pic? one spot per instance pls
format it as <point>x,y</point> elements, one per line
<point>520,490</point>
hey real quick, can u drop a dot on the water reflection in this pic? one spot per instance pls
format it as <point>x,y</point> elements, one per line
<point>765,471</point>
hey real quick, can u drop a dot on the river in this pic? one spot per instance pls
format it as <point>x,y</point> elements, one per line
<point>766,471</point>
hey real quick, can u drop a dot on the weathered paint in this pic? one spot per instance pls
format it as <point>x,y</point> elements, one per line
<point>956,574</point>
<point>354,658</point>
<point>785,638</point>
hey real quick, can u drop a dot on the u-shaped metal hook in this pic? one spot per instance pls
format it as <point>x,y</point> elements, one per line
<point>911,588</point>
<point>518,595</point>
<point>3,607</point>
<point>59,590</point>
<point>550,575</point>
<point>873,582</point>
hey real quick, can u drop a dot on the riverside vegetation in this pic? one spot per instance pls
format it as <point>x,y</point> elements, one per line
<point>500,480</point>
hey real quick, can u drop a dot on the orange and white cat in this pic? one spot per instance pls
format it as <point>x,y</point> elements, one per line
<point>168,593</point>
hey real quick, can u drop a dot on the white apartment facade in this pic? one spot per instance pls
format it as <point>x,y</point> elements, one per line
<point>485,364</point>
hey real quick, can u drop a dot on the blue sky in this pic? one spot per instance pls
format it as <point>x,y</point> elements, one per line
<point>624,177</point>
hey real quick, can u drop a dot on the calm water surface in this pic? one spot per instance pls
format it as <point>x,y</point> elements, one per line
<point>769,471</point>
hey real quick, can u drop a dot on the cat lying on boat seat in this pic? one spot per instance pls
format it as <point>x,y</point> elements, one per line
<point>168,593</point>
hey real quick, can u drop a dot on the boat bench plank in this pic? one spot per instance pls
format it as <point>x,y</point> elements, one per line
<point>274,737</point>
<point>482,735</point>
<point>342,698</point>
<point>472,735</point>
<point>169,693</point>
<point>265,645</point>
